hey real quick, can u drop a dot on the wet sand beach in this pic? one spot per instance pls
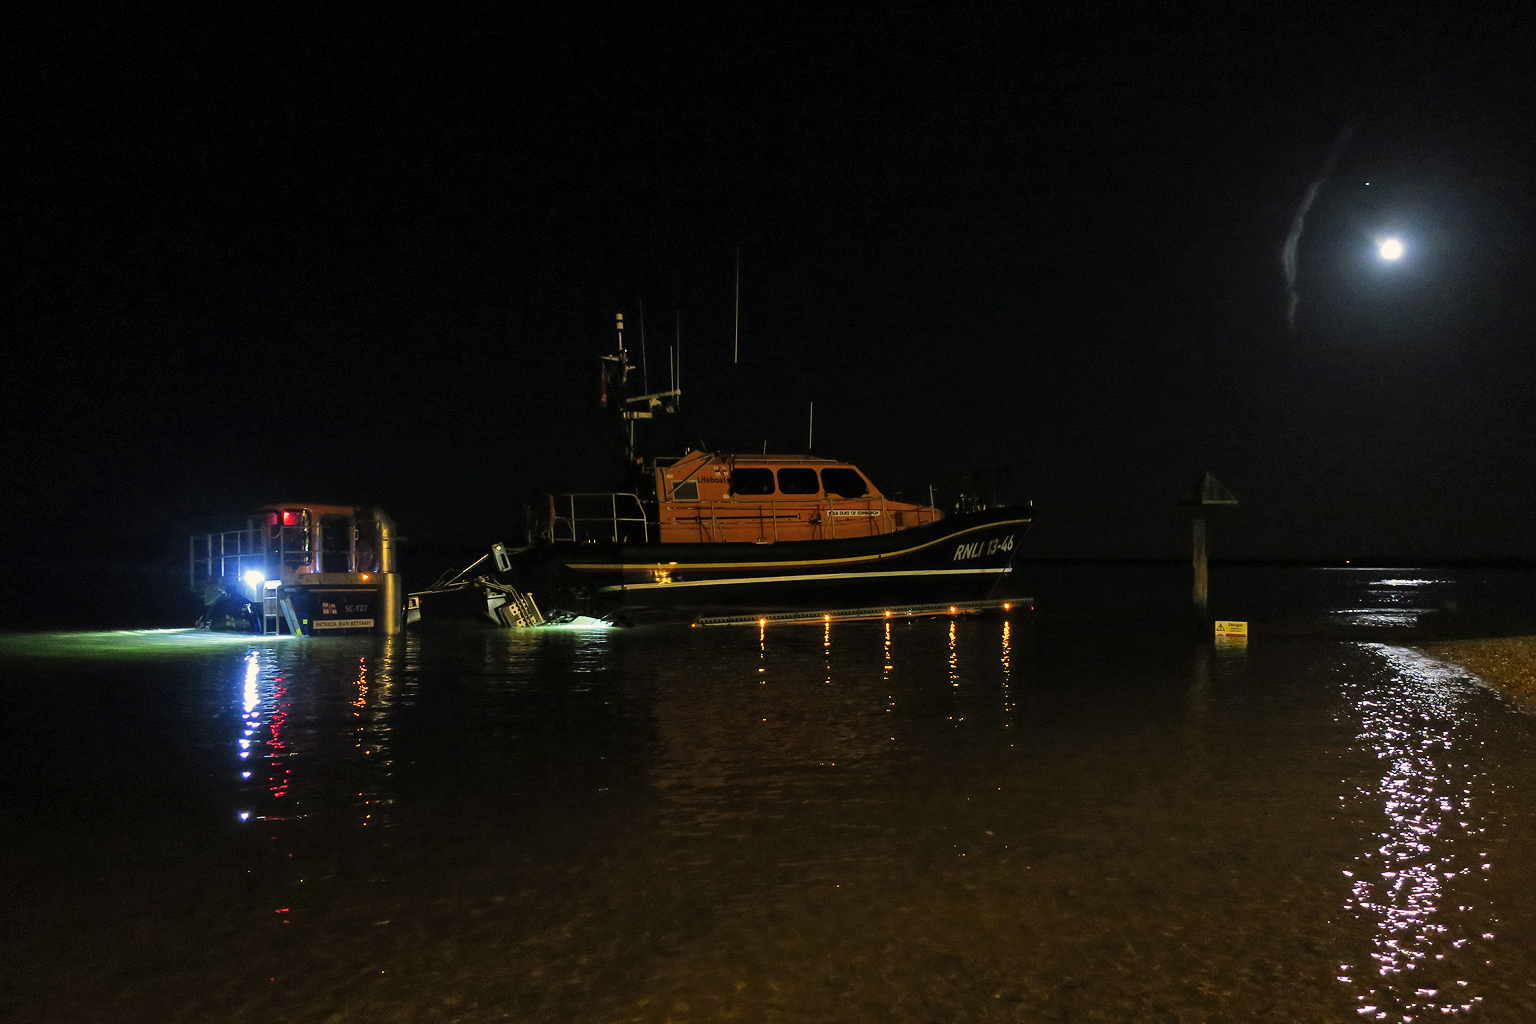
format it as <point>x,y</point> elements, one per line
<point>1508,663</point>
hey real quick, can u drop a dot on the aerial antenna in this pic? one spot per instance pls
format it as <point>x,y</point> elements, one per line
<point>810,429</point>
<point>736,346</point>
<point>677,384</point>
<point>645,373</point>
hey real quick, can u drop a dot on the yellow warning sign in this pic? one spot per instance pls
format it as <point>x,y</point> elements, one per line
<point>1232,629</point>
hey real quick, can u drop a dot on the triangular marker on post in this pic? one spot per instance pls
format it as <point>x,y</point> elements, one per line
<point>1209,491</point>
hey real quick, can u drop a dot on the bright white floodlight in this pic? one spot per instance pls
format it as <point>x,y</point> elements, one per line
<point>1390,249</point>
<point>255,578</point>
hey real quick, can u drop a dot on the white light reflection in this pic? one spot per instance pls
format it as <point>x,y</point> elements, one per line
<point>250,700</point>
<point>1405,884</point>
<point>1379,617</point>
<point>252,673</point>
<point>1390,600</point>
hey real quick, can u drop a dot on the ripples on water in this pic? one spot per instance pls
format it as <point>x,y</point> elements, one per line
<point>849,822</point>
<point>1422,883</point>
<point>1390,601</point>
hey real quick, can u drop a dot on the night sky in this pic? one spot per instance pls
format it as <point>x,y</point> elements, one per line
<point>376,261</point>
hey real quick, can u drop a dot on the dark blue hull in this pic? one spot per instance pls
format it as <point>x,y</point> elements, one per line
<point>962,558</point>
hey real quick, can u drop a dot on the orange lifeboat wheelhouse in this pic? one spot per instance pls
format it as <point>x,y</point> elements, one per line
<point>767,499</point>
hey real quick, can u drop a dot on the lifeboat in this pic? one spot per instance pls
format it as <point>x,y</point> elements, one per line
<point>761,535</point>
<point>710,534</point>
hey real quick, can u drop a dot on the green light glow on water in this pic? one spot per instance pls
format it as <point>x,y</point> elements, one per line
<point>119,643</point>
<point>161,643</point>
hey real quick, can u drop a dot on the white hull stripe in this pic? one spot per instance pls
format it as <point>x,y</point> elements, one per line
<point>809,576</point>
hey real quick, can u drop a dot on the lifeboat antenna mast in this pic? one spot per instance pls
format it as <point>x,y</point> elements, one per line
<point>736,345</point>
<point>616,371</point>
<point>645,370</point>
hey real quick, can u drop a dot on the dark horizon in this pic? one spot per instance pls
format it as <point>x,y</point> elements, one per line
<point>257,260</point>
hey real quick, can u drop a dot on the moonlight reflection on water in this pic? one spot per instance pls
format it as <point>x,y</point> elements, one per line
<point>1419,882</point>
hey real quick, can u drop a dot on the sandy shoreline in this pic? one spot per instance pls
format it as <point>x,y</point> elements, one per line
<point>1507,662</point>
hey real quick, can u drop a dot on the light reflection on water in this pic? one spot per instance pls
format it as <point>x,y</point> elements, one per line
<point>856,822</point>
<point>1007,662</point>
<point>1417,882</point>
<point>1384,599</point>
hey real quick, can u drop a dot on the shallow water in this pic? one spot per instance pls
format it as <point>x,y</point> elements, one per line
<point>921,821</point>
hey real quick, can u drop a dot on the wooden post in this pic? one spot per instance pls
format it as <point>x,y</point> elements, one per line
<point>1202,575</point>
<point>1207,491</point>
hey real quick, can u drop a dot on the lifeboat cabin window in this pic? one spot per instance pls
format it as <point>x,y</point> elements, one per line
<point>688,490</point>
<point>798,480</point>
<point>335,543</point>
<point>751,482</point>
<point>843,481</point>
<point>366,556</point>
<point>288,536</point>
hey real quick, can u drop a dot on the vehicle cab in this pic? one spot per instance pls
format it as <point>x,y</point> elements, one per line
<point>267,573</point>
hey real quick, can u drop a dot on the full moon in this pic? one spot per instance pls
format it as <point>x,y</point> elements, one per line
<point>1391,249</point>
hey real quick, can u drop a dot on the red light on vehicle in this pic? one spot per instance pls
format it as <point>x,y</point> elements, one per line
<point>289,519</point>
